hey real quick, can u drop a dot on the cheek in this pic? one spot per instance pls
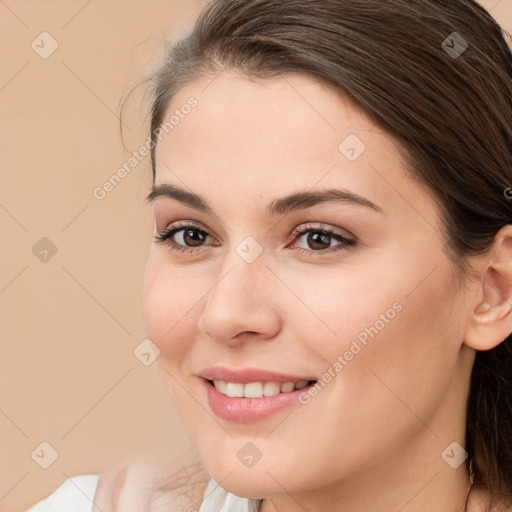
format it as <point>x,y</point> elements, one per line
<point>388,319</point>
<point>334,307</point>
<point>167,307</point>
<point>413,358</point>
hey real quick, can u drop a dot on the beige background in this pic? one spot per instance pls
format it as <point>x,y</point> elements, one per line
<point>69,325</point>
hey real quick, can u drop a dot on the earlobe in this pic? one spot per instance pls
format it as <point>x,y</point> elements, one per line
<point>491,319</point>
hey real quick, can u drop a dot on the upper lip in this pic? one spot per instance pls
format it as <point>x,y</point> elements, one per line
<point>246,375</point>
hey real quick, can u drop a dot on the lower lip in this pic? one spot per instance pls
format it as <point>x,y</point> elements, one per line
<point>249,410</point>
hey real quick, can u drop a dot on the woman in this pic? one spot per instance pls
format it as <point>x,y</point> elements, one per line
<point>330,286</point>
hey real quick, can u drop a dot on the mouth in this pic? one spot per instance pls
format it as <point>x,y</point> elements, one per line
<point>258,389</point>
<point>253,401</point>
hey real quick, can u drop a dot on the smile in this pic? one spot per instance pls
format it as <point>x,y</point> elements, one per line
<point>250,404</point>
<point>257,389</point>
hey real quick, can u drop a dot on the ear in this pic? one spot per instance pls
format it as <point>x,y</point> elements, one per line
<point>490,320</point>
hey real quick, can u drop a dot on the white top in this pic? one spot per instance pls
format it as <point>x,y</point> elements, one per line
<point>77,494</point>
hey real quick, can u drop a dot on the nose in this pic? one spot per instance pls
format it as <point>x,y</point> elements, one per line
<point>239,306</point>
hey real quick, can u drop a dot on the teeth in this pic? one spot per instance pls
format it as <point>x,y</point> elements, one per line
<point>256,389</point>
<point>287,387</point>
<point>220,386</point>
<point>234,389</point>
<point>253,390</point>
<point>271,389</point>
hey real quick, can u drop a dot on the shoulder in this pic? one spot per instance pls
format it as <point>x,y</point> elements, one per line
<point>143,485</point>
<point>165,486</point>
<point>162,485</point>
<point>77,491</point>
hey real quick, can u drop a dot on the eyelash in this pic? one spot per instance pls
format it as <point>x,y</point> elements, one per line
<point>170,231</point>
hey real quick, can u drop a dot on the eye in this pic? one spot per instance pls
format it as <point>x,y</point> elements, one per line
<point>187,237</point>
<point>319,237</point>
<point>185,233</point>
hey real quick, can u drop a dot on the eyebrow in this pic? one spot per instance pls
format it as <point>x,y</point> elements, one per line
<point>296,201</point>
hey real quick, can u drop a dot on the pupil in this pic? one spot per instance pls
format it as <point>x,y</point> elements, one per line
<point>321,238</point>
<point>190,233</point>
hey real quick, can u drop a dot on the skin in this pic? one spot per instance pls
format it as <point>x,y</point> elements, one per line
<point>372,439</point>
<point>152,483</point>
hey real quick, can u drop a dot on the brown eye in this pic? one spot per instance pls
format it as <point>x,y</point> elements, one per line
<point>182,237</point>
<point>318,240</point>
<point>192,237</point>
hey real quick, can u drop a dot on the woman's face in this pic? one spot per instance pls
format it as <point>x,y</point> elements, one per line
<point>370,311</point>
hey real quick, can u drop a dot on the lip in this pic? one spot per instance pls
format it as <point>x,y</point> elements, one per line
<point>246,375</point>
<point>249,410</point>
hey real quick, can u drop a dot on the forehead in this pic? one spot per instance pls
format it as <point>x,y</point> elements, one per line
<point>254,137</point>
<point>292,112</point>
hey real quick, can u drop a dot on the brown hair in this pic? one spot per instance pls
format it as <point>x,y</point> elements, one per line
<point>450,107</point>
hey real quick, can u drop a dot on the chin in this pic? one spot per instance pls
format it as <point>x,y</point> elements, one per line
<point>250,485</point>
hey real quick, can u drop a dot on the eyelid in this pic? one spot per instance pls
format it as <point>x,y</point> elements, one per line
<point>311,226</point>
<point>177,226</point>
<point>298,232</point>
